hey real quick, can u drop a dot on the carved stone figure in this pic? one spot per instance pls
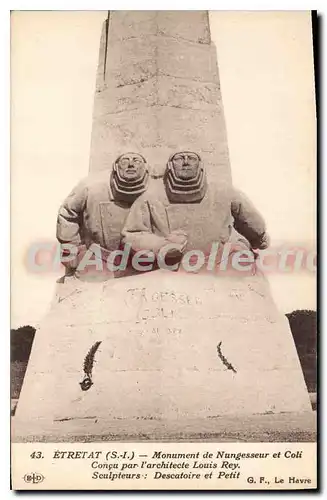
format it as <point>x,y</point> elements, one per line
<point>190,212</point>
<point>96,209</point>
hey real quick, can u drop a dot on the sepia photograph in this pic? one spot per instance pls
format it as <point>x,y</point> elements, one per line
<point>163,239</point>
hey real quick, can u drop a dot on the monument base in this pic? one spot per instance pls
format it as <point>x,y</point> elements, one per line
<point>166,349</point>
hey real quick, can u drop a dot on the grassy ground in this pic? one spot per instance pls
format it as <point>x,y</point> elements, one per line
<point>281,427</point>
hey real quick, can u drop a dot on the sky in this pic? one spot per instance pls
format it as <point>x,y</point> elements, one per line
<point>266,73</point>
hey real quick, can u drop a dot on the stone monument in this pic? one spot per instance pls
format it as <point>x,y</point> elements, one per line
<point>94,213</point>
<point>186,201</point>
<point>164,354</point>
<point>96,209</point>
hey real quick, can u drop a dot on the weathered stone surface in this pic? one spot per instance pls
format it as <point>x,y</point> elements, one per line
<point>187,25</point>
<point>156,132</point>
<point>161,90</point>
<point>132,24</point>
<point>173,346</point>
<point>100,77</point>
<point>129,179</point>
<point>173,353</point>
<point>272,427</point>
<point>183,93</point>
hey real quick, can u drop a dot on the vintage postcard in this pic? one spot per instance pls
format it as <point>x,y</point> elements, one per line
<point>163,322</point>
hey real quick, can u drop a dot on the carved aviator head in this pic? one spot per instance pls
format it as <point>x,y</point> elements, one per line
<point>185,178</point>
<point>186,165</point>
<point>130,176</point>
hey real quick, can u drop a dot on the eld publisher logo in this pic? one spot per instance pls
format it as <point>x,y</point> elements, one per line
<point>33,477</point>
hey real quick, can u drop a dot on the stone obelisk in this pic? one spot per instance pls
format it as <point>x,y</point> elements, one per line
<point>158,90</point>
<point>171,355</point>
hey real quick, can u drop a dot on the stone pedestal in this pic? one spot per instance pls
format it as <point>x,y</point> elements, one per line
<point>174,348</point>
